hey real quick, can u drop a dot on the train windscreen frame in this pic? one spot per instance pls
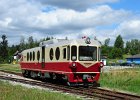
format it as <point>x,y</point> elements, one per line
<point>87,53</point>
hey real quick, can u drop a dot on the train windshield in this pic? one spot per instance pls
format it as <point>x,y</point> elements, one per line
<point>87,53</point>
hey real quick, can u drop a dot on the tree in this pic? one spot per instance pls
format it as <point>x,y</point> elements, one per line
<point>22,44</point>
<point>106,49</point>
<point>118,47</point>
<point>48,38</point>
<point>4,48</point>
<point>119,42</point>
<point>115,53</point>
<point>31,42</point>
<point>12,50</point>
<point>132,47</point>
<point>127,48</point>
<point>107,41</point>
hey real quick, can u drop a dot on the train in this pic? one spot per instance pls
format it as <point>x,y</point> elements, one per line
<point>76,61</point>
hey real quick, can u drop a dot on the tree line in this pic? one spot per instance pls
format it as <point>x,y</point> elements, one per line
<point>119,48</point>
<point>7,52</point>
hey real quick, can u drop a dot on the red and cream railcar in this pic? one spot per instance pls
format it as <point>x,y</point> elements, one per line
<point>77,61</point>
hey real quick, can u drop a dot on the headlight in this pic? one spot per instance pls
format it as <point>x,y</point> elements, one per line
<point>73,64</point>
<point>101,64</point>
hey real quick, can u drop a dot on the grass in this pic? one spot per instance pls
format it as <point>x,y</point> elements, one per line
<point>17,92</point>
<point>124,79</point>
<point>10,67</point>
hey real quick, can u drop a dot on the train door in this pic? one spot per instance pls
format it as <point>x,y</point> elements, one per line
<point>43,56</point>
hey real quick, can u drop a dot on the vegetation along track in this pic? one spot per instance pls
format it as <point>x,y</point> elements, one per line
<point>86,92</point>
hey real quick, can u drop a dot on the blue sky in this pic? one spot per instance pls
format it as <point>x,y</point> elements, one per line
<point>132,5</point>
<point>69,18</point>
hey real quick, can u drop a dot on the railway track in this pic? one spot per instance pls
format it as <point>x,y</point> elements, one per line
<point>86,92</point>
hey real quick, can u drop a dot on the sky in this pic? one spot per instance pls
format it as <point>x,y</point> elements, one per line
<point>69,18</point>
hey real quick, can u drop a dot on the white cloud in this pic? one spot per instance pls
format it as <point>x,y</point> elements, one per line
<point>79,5</point>
<point>129,29</point>
<point>5,22</point>
<point>73,20</point>
<point>26,18</point>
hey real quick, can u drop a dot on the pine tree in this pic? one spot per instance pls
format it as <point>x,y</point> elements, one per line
<point>119,44</point>
<point>107,41</point>
<point>4,48</point>
<point>31,42</point>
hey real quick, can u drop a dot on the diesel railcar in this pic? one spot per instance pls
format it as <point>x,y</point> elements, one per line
<point>75,61</point>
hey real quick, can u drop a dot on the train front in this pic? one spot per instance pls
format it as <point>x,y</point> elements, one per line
<point>85,62</point>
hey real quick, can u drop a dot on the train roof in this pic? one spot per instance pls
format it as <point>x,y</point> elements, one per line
<point>65,42</point>
<point>61,42</point>
<point>35,48</point>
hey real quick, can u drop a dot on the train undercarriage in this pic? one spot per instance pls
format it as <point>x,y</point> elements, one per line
<point>68,79</point>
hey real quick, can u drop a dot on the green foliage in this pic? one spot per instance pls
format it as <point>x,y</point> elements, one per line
<point>107,42</point>
<point>6,53</point>
<point>118,48</point>
<point>106,50</point>
<point>116,53</point>
<point>113,52</point>
<point>119,42</point>
<point>3,49</point>
<point>132,47</point>
<point>17,92</point>
<point>30,42</point>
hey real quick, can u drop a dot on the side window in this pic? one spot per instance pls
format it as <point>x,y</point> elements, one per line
<point>95,54</point>
<point>33,55</point>
<point>30,56</point>
<point>38,55</point>
<point>57,53</point>
<point>68,52</point>
<point>27,56</point>
<point>64,53</point>
<point>73,53</point>
<point>51,54</point>
<point>99,54</point>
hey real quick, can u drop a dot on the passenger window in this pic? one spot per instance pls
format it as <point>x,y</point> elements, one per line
<point>38,55</point>
<point>57,53</point>
<point>51,54</point>
<point>73,53</point>
<point>30,56</point>
<point>64,53</point>
<point>27,56</point>
<point>33,55</point>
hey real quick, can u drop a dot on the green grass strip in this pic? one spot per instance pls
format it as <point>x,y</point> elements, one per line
<point>17,92</point>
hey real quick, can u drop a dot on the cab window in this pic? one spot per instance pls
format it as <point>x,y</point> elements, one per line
<point>73,53</point>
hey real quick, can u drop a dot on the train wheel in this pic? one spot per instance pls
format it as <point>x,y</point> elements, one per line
<point>33,74</point>
<point>59,77</point>
<point>26,73</point>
